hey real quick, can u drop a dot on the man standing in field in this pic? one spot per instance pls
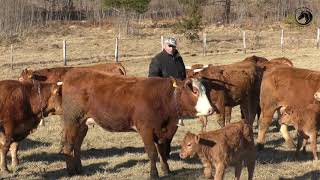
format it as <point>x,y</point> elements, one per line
<point>168,63</point>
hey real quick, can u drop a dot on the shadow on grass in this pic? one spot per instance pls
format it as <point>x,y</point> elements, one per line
<point>28,144</point>
<point>92,169</point>
<point>274,156</point>
<point>92,153</point>
<point>184,173</point>
<point>313,175</point>
<point>128,164</point>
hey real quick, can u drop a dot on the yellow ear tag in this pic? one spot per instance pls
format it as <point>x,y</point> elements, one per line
<point>174,84</point>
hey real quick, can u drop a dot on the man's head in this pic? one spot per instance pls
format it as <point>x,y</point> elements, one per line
<point>170,44</point>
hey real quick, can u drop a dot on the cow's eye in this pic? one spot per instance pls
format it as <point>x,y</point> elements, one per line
<point>189,144</point>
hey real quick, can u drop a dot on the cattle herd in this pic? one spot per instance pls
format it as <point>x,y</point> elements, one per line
<point>104,94</point>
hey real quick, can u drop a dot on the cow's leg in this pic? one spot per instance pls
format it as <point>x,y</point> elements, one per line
<point>162,150</point>
<point>77,147</point>
<point>313,144</point>
<point>251,163</point>
<point>71,131</point>
<point>285,134</point>
<point>304,144</point>
<point>207,167</point>
<point>227,114</point>
<point>237,170</point>
<point>150,148</point>
<point>4,151</point>
<point>248,109</point>
<point>14,157</point>
<point>299,144</point>
<point>220,167</point>
<point>264,123</point>
<point>204,122</point>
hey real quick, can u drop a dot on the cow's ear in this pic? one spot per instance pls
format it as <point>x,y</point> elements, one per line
<point>188,83</point>
<point>282,109</point>
<point>197,139</point>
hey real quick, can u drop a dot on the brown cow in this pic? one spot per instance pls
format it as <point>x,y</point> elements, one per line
<point>233,84</point>
<point>285,86</point>
<point>149,106</point>
<point>231,145</point>
<point>22,105</point>
<point>262,65</point>
<point>190,71</point>
<point>53,75</point>
<point>306,120</point>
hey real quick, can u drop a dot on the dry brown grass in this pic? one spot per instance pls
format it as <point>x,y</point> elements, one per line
<point>108,155</point>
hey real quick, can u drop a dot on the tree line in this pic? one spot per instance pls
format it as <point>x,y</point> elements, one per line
<point>19,16</point>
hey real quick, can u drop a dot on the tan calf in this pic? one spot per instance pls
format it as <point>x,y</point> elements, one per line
<point>232,145</point>
<point>306,120</point>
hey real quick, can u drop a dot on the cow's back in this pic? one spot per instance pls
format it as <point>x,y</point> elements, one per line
<point>92,92</point>
<point>288,85</point>
<point>234,137</point>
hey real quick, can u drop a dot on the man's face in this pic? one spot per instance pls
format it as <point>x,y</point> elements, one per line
<point>169,49</point>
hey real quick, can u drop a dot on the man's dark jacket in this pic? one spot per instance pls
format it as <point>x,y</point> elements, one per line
<point>166,65</point>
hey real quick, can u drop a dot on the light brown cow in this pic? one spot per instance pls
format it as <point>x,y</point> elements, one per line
<point>306,120</point>
<point>231,145</point>
<point>149,106</point>
<point>282,87</point>
<point>22,105</point>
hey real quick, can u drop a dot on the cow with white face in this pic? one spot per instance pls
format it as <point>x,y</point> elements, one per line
<point>149,106</point>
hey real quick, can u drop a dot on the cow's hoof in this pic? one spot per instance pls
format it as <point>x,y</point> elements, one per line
<point>290,145</point>
<point>260,147</point>
<point>15,164</point>
<point>166,172</point>
<point>4,171</point>
<point>154,175</point>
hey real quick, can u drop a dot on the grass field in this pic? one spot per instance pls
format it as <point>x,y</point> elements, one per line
<point>108,155</point>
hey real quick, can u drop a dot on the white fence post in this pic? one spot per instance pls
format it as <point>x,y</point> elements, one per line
<point>282,40</point>
<point>11,56</point>
<point>161,43</point>
<point>116,52</point>
<point>244,41</point>
<point>65,52</point>
<point>318,37</point>
<point>204,44</point>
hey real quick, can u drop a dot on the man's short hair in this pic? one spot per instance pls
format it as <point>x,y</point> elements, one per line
<point>170,41</point>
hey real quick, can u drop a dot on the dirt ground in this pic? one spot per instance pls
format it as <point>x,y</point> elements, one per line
<point>108,155</point>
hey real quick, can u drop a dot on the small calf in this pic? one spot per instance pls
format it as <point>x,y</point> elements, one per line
<point>306,120</point>
<point>232,145</point>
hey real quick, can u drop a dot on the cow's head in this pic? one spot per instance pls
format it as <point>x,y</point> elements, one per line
<point>54,100</point>
<point>189,145</point>
<point>193,99</point>
<point>28,74</point>
<point>25,75</point>
<point>317,95</point>
<point>286,115</point>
